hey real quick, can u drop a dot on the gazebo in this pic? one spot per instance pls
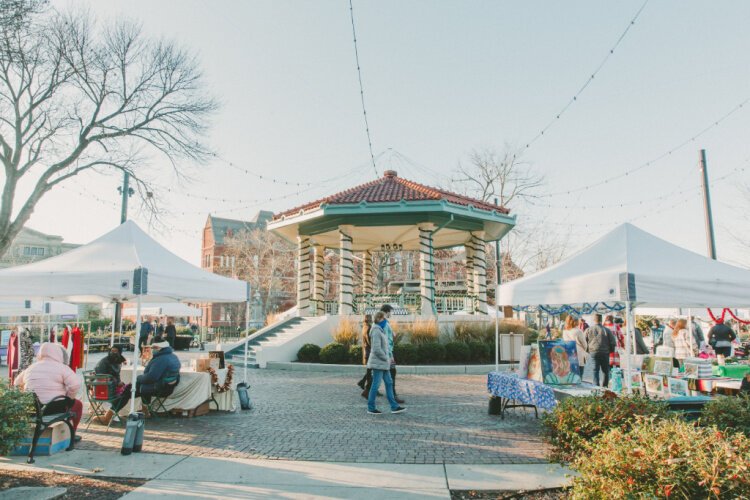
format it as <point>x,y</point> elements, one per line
<point>389,214</point>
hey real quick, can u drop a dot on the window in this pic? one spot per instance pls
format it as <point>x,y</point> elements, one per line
<point>33,251</point>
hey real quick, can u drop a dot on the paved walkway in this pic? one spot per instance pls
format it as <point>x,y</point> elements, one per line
<point>321,417</point>
<point>173,476</point>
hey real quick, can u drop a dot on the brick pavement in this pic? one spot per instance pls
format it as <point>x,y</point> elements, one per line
<point>321,417</point>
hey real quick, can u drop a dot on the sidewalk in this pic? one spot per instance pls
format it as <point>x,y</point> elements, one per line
<point>174,476</point>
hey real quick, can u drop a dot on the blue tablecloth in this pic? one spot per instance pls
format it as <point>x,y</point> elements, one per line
<point>509,386</point>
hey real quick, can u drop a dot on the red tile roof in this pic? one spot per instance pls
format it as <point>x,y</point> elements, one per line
<point>392,188</point>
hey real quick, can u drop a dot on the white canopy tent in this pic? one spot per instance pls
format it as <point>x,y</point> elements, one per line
<point>124,265</point>
<point>176,309</point>
<point>631,266</point>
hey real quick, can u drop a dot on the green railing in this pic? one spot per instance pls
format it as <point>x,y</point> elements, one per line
<point>445,303</point>
<point>451,303</point>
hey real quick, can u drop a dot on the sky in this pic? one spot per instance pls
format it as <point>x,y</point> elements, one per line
<point>442,78</point>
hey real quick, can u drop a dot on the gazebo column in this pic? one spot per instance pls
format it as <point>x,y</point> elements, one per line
<point>367,277</point>
<point>426,270</point>
<point>480,271</point>
<point>318,262</point>
<point>469,250</point>
<point>303,276</point>
<point>346,271</point>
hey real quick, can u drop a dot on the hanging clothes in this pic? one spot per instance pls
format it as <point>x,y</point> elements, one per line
<point>65,337</point>
<point>13,355</point>
<point>25,350</point>
<point>76,348</point>
<point>53,334</point>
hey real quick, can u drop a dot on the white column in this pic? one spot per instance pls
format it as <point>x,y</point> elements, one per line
<point>480,271</point>
<point>303,276</point>
<point>318,263</point>
<point>426,270</point>
<point>346,272</point>
<point>367,277</point>
<point>469,250</point>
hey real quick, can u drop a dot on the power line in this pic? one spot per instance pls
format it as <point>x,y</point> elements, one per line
<point>361,88</point>
<point>629,171</point>
<point>586,83</point>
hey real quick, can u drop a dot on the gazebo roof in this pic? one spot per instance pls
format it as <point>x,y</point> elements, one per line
<point>392,188</point>
<point>378,211</point>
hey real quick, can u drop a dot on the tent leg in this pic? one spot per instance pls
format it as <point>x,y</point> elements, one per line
<point>112,335</point>
<point>136,353</point>
<point>247,329</point>
<point>497,332</point>
<point>629,342</point>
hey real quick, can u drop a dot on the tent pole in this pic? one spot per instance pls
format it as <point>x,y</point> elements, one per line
<point>247,330</point>
<point>497,331</point>
<point>629,341</point>
<point>136,353</point>
<point>690,327</point>
<point>112,335</point>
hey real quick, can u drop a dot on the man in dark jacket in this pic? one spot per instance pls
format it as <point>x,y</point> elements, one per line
<point>164,364</point>
<point>146,329</point>
<point>170,332</point>
<point>600,341</point>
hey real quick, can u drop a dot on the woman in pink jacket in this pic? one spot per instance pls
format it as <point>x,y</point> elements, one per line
<point>49,378</point>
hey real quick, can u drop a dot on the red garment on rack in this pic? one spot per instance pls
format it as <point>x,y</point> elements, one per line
<point>13,355</point>
<point>65,337</point>
<point>76,353</point>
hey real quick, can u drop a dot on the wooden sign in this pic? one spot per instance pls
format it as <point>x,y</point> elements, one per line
<point>217,355</point>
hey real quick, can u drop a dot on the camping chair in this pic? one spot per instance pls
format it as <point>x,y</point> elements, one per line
<point>100,390</point>
<point>42,422</point>
<point>164,389</point>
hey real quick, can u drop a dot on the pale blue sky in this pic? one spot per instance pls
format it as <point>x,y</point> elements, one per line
<point>442,78</point>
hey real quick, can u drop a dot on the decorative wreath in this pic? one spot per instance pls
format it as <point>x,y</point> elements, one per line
<point>227,381</point>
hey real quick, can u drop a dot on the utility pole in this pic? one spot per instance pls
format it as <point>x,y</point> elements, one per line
<point>126,191</point>
<point>707,207</point>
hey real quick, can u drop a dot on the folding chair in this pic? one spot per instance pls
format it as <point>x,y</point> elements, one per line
<point>163,390</point>
<point>100,390</point>
<point>42,422</point>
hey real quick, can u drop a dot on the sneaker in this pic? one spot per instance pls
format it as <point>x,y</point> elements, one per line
<point>361,384</point>
<point>400,409</point>
<point>374,412</point>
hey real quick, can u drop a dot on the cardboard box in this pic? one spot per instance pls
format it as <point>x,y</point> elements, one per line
<point>199,411</point>
<point>54,440</point>
<point>201,364</point>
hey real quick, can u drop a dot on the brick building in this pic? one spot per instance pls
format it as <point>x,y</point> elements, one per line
<point>215,260</point>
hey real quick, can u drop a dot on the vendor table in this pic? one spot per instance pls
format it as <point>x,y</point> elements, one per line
<point>515,392</point>
<point>194,389</point>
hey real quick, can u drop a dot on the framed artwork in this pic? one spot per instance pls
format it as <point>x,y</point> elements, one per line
<point>559,362</point>
<point>662,366</point>
<point>534,370</point>
<point>677,387</point>
<point>636,379</point>
<point>523,361</point>
<point>691,370</point>
<point>647,364</point>
<point>654,384</point>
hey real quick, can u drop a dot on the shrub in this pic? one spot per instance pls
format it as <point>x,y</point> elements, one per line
<point>334,354</point>
<point>15,406</point>
<point>728,413</point>
<point>431,353</point>
<point>664,459</point>
<point>405,354</point>
<point>347,331</point>
<point>355,354</point>
<point>479,352</point>
<point>309,353</point>
<point>424,331</point>
<point>484,331</point>
<point>576,421</point>
<point>457,352</point>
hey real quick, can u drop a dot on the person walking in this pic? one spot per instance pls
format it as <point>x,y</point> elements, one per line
<point>667,338</point>
<point>657,333</point>
<point>572,333</point>
<point>387,309</point>
<point>682,343</point>
<point>146,329</point>
<point>380,364</point>
<point>721,336</point>
<point>698,337</point>
<point>170,332</point>
<point>366,381</point>
<point>159,331</point>
<point>600,342</point>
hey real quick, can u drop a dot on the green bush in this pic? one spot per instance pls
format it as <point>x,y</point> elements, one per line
<point>334,354</point>
<point>355,354</point>
<point>309,353</point>
<point>576,421</point>
<point>658,458</point>
<point>15,406</point>
<point>405,354</point>
<point>728,413</point>
<point>479,352</point>
<point>457,352</point>
<point>431,353</point>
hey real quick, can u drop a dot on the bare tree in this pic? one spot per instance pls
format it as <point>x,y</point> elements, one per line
<point>264,260</point>
<point>76,96</point>
<point>503,175</point>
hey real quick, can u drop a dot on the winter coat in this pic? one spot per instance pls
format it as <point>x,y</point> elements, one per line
<point>365,343</point>
<point>170,334</point>
<point>640,345</point>
<point>105,366</point>
<point>49,378</point>
<point>576,335</point>
<point>379,354</point>
<point>682,345</point>
<point>161,365</point>
<point>600,340</point>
